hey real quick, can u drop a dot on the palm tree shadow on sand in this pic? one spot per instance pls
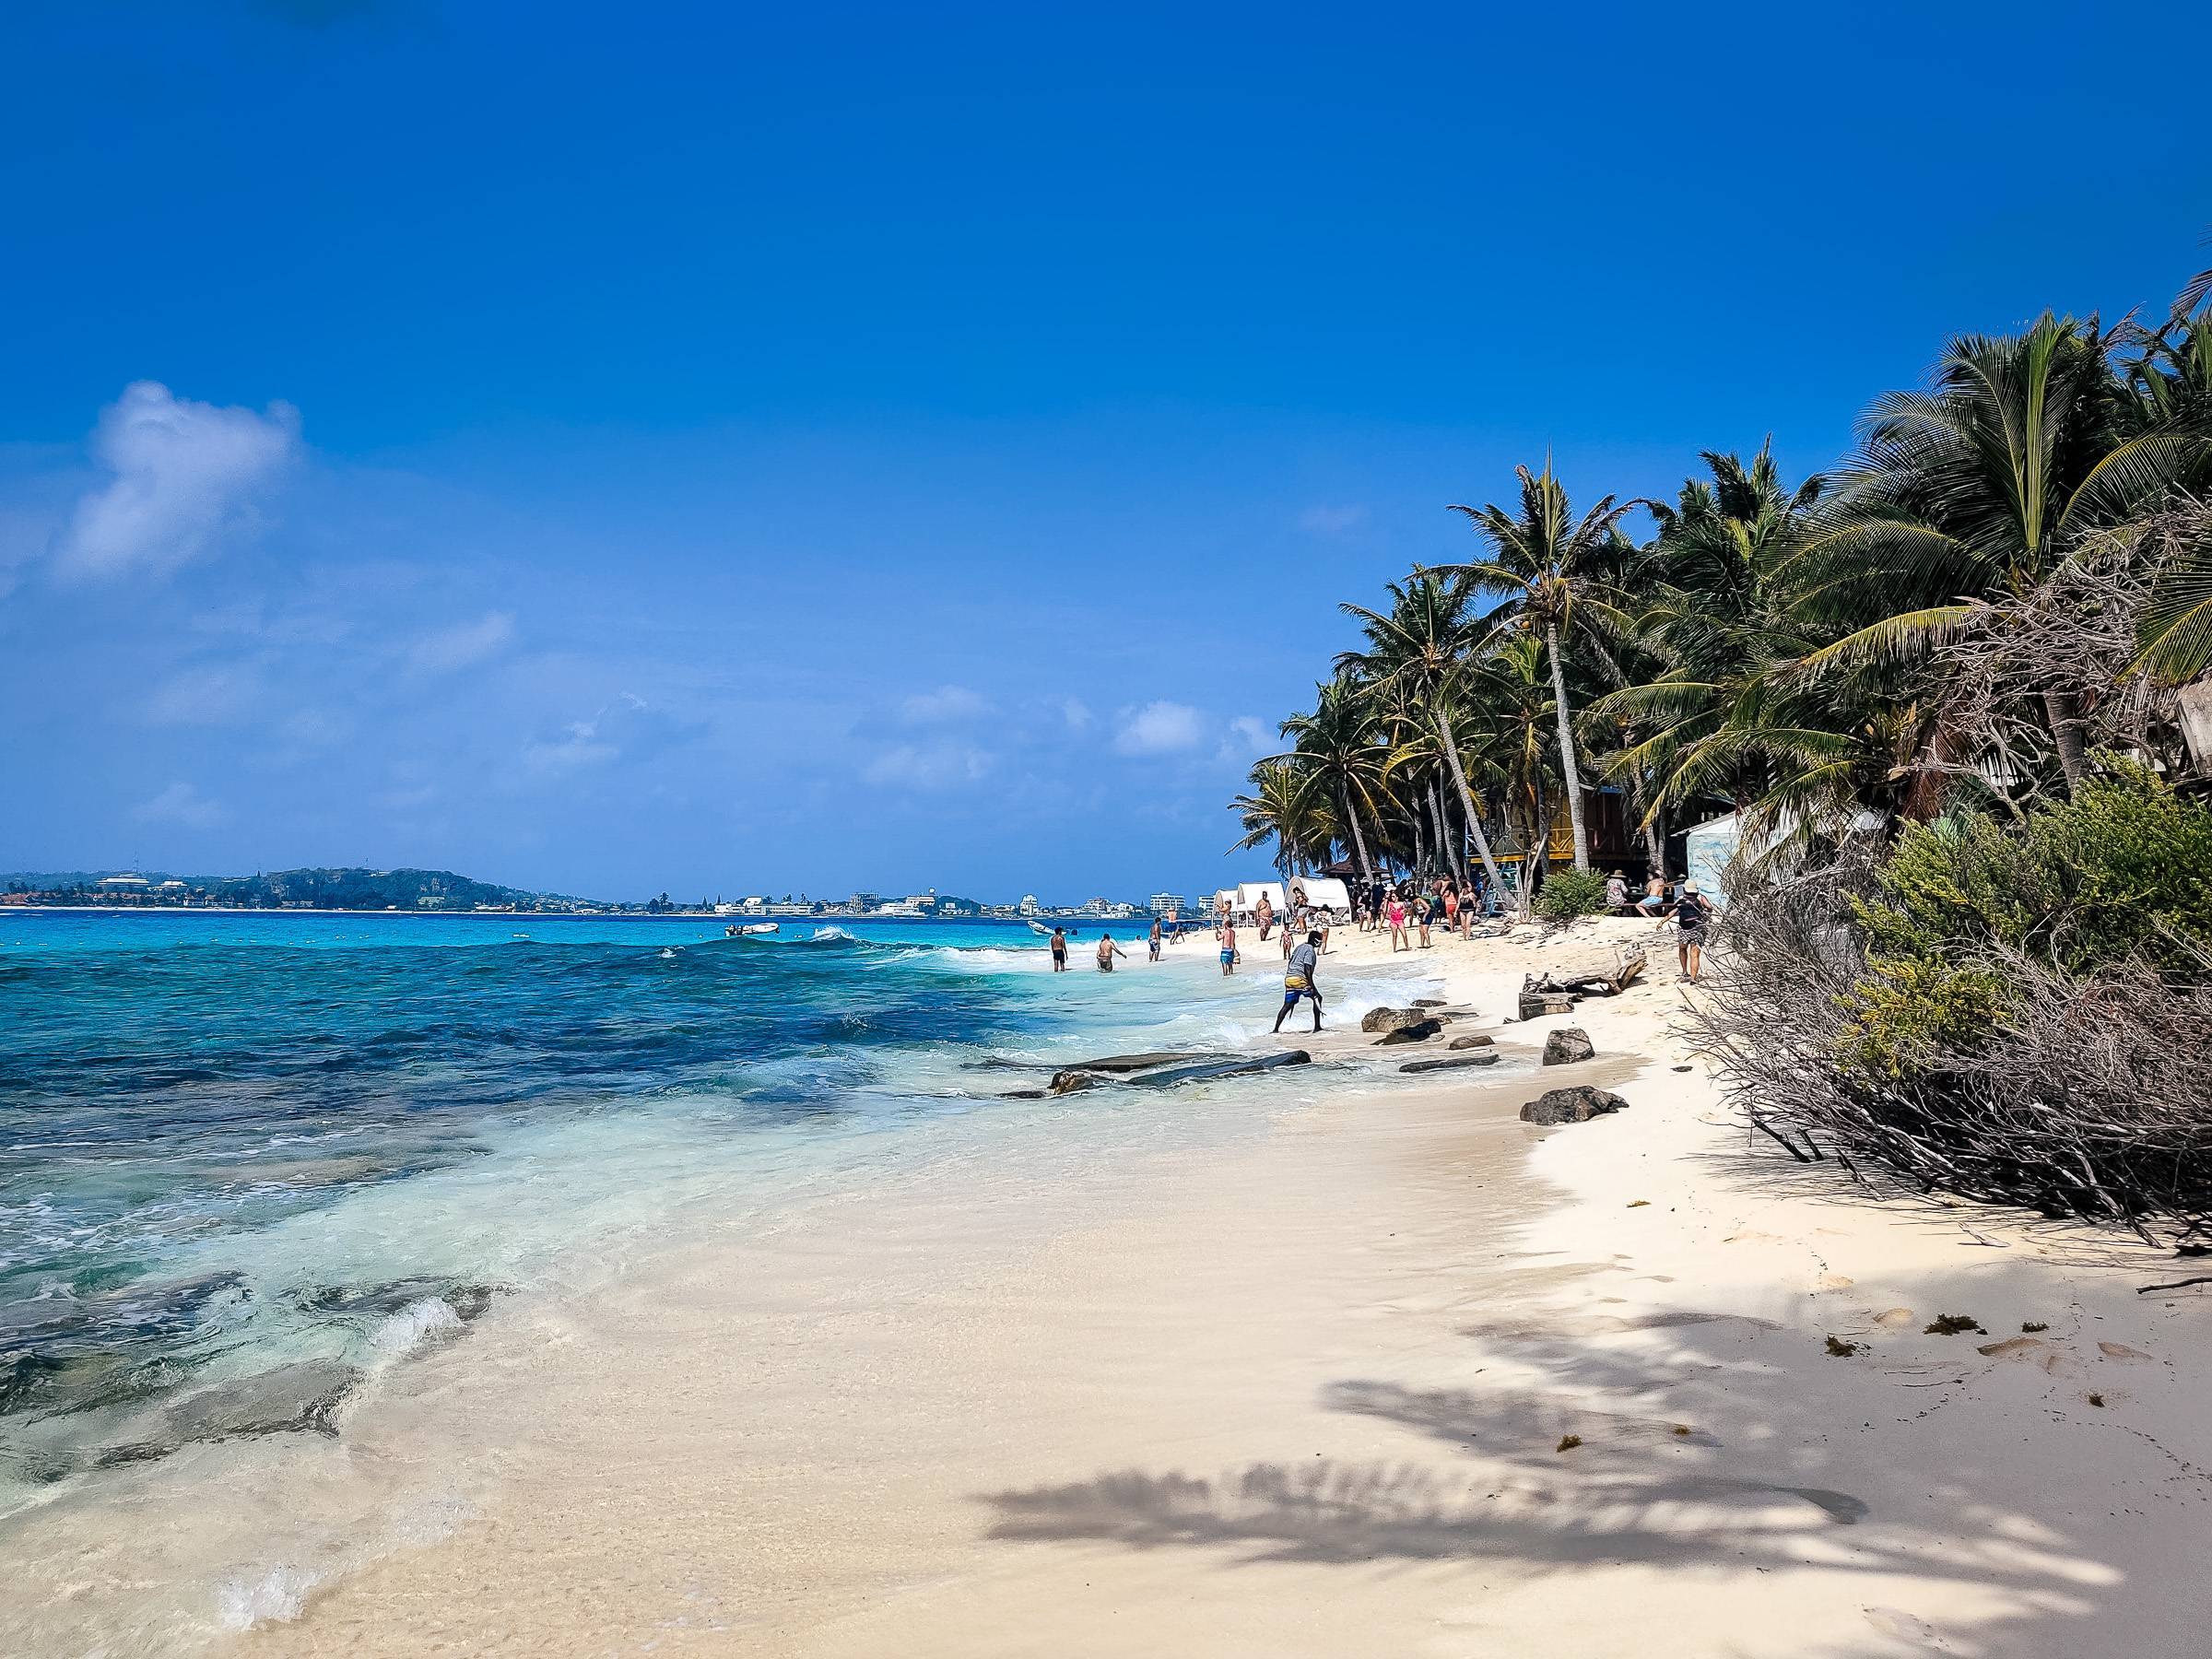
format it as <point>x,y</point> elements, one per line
<point>1751,1477</point>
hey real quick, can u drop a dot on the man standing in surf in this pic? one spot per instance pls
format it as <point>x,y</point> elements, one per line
<point>1298,980</point>
<point>1059,950</point>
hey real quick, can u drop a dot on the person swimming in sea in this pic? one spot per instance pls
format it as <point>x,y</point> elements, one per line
<point>1059,950</point>
<point>1108,951</point>
<point>1298,980</point>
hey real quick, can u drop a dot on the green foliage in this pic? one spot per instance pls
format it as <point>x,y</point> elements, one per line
<point>1566,894</point>
<point>2123,870</point>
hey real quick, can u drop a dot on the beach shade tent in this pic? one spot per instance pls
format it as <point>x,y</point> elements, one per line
<point>1249,893</point>
<point>1326,891</point>
<point>1225,898</point>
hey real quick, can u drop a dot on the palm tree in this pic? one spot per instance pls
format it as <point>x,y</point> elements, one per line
<point>1718,624</point>
<point>1549,566</point>
<point>1416,653</point>
<point>1339,759</point>
<point>1515,738</point>
<point>1282,808</point>
<point>1979,488</point>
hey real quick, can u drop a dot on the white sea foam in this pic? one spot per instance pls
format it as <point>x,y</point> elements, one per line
<point>277,1594</point>
<point>413,1326</point>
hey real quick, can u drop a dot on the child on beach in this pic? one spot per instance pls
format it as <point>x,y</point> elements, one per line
<point>1228,948</point>
<point>1298,980</point>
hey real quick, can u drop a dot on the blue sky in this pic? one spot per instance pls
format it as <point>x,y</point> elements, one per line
<point>711,448</point>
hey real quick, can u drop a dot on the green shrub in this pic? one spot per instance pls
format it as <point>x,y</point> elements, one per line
<point>1566,894</point>
<point>2124,868</point>
<point>2121,871</point>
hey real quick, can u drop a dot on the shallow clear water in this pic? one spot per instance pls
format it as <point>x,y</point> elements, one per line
<point>246,1160</point>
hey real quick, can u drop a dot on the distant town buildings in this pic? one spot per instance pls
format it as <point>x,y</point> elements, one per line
<point>444,892</point>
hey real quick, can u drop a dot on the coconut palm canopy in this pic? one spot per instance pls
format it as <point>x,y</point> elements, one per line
<point>1814,656</point>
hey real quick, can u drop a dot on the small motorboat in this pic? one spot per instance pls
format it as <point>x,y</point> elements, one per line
<point>748,930</point>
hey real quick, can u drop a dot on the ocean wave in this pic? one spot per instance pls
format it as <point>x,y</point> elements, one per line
<point>279,1594</point>
<point>404,1332</point>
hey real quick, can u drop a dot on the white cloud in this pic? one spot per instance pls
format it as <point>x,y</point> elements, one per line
<point>1158,728</point>
<point>216,696</point>
<point>579,745</point>
<point>1248,736</point>
<point>463,646</point>
<point>185,475</point>
<point>181,803</point>
<point>1331,521</point>
<point>1076,712</point>
<point>945,706</point>
<point>928,766</point>
<point>593,742</point>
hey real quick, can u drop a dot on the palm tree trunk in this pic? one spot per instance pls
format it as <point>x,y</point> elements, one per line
<point>1420,839</point>
<point>1436,821</point>
<point>1466,796</point>
<point>1572,772</point>
<point>1344,799</point>
<point>2063,710</point>
<point>1455,845</point>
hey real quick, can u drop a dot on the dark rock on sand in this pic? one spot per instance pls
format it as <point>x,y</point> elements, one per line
<point>1453,1062</point>
<point>1567,1045</point>
<point>1418,1030</point>
<point>1575,1105</point>
<point>1428,1002</point>
<point>1471,1040</point>
<point>1390,1019</point>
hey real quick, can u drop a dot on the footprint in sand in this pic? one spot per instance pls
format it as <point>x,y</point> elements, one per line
<point>2122,1352</point>
<point>2013,1347</point>
<point>1835,1281</point>
<point>1895,1319</point>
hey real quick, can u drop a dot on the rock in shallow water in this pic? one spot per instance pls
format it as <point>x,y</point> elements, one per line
<point>1452,1063</point>
<point>1576,1105</point>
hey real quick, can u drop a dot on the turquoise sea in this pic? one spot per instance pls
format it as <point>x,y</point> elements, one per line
<point>246,1160</point>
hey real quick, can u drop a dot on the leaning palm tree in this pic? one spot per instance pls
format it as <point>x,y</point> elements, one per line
<point>1979,489</point>
<point>1550,569</point>
<point>1416,653</point>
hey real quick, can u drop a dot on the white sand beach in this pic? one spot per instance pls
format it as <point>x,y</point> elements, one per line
<point>1308,1394</point>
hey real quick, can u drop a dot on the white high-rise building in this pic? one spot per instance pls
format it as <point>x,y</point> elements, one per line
<point>1028,906</point>
<point>1160,904</point>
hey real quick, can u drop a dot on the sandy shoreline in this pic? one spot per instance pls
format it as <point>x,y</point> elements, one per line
<point>1304,1393</point>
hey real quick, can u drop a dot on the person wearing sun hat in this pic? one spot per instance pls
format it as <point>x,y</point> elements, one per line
<point>1691,913</point>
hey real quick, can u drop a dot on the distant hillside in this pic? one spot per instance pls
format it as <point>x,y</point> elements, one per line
<point>314,888</point>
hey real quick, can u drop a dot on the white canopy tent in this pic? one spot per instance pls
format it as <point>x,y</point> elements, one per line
<point>1326,891</point>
